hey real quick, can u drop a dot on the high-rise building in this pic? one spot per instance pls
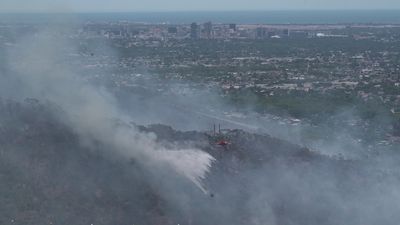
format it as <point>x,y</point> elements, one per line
<point>286,32</point>
<point>260,32</point>
<point>232,26</point>
<point>208,30</point>
<point>194,31</point>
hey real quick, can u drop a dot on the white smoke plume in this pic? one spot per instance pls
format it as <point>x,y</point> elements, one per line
<point>39,70</point>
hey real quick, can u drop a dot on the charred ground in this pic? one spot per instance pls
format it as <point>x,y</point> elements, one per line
<point>49,176</point>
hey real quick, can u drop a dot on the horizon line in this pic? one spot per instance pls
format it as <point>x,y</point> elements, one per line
<point>197,11</point>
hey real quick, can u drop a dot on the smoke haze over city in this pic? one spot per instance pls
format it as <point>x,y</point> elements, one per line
<point>199,112</point>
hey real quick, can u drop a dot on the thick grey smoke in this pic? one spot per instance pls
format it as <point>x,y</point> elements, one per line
<point>185,107</point>
<point>39,71</point>
<point>287,189</point>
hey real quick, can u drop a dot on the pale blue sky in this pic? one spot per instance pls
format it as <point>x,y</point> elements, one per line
<point>184,5</point>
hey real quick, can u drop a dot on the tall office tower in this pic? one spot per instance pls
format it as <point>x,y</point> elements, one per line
<point>208,30</point>
<point>194,33</point>
<point>260,32</point>
<point>232,26</point>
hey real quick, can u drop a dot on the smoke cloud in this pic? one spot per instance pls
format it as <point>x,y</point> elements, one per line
<point>39,70</point>
<point>291,186</point>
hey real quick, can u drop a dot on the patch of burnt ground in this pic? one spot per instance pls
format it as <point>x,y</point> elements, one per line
<point>47,176</point>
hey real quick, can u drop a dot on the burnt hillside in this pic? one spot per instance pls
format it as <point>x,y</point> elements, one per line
<point>48,176</point>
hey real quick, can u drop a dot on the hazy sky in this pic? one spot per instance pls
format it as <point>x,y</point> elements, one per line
<point>180,5</point>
